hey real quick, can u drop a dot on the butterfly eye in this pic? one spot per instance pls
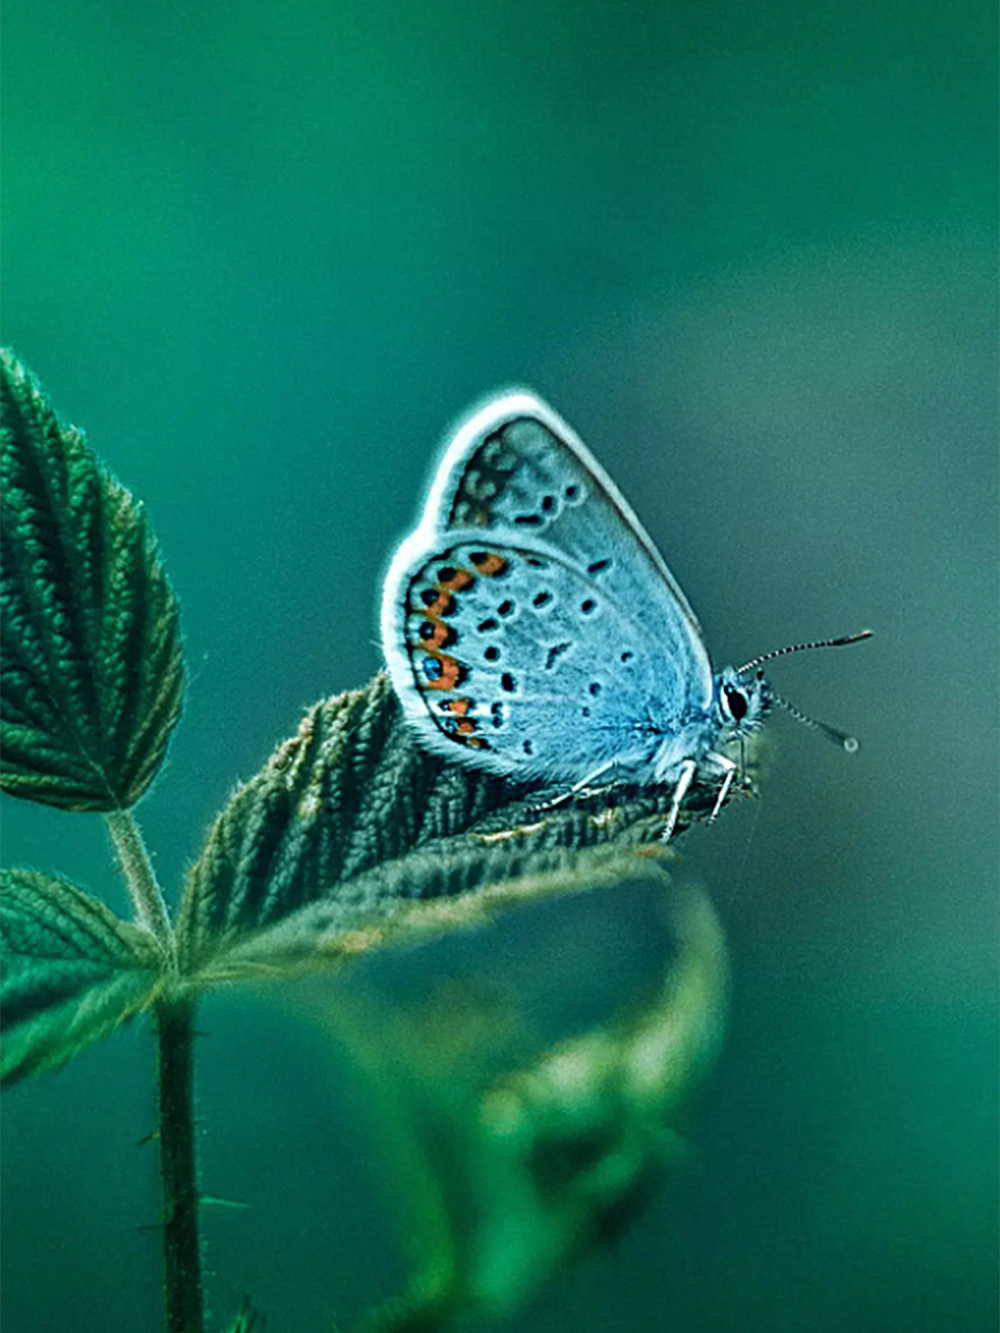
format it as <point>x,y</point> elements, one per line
<point>736,701</point>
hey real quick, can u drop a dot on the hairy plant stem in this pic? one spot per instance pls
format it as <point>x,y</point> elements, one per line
<point>147,897</point>
<point>179,1167</point>
<point>174,1022</point>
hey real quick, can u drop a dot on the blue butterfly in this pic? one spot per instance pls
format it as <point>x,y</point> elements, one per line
<point>532,629</point>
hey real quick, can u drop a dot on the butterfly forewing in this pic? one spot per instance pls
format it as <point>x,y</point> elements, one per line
<point>517,468</point>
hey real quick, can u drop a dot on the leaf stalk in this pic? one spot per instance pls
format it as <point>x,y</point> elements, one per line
<point>143,886</point>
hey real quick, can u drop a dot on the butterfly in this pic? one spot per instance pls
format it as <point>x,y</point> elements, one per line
<point>532,629</point>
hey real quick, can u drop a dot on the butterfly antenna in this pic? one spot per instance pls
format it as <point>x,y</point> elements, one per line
<point>849,743</point>
<point>801,647</point>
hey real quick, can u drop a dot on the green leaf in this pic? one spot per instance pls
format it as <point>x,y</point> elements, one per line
<point>511,1173</point>
<point>352,816</point>
<point>246,1321</point>
<point>70,971</point>
<point>92,669</point>
<point>376,909</point>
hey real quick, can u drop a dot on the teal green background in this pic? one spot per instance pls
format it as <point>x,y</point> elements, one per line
<point>264,254</point>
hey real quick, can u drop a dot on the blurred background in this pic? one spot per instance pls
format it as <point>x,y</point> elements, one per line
<point>264,255</point>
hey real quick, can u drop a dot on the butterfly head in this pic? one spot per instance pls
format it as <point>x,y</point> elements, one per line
<point>743,700</point>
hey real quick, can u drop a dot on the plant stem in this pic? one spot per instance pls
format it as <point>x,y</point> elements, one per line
<point>174,1020</point>
<point>147,896</point>
<point>179,1167</point>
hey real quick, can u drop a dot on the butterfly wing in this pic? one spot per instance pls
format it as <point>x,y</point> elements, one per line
<point>516,466</point>
<point>529,623</point>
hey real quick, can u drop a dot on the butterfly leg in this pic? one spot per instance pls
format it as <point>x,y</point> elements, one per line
<point>589,793</point>
<point>729,768</point>
<point>576,789</point>
<point>688,770</point>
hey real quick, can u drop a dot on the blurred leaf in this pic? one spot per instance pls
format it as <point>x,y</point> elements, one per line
<point>352,819</point>
<point>71,971</point>
<point>92,670</point>
<point>512,1175</point>
<point>247,1320</point>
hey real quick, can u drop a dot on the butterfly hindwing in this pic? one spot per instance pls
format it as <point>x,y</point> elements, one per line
<point>501,649</point>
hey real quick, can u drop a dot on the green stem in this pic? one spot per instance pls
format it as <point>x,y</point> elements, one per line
<point>182,1283</point>
<point>179,1167</point>
<point>147,896</point>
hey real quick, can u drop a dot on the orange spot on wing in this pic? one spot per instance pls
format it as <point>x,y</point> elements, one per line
<point>492,565</point>
<point>459,581</point>
<point>460,706</point>
<point>444,606</point>
<point>441,635</point>
<point>451,673</point>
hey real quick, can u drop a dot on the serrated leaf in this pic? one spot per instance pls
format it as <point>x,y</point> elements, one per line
<point>376,908</point>
<point>92,668</point>
<point>513,1173</point>
<point>70,971</point>
<point>352,813</point>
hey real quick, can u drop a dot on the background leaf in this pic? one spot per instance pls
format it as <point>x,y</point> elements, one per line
<point>92,671</point>
<point>513,1167</point>
<point>352,816</point>
<point>71,971</point>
